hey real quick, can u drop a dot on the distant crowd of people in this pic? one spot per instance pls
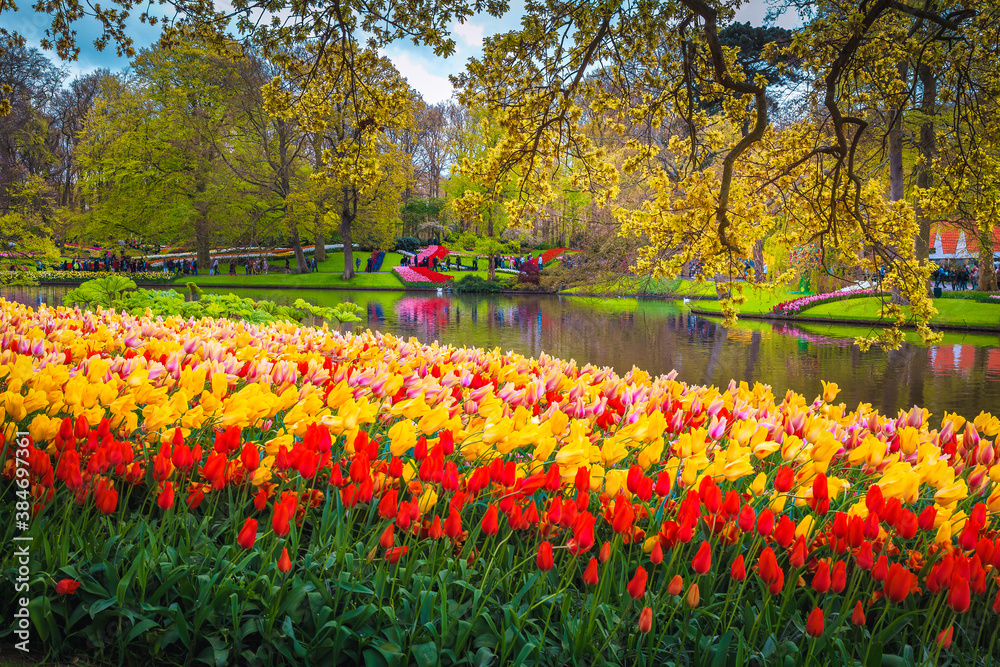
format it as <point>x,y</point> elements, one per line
<point>108,262</point>
<point>960,277</point>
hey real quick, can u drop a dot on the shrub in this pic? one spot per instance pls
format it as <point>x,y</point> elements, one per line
<point>477,284</point>
<point>407,243</point>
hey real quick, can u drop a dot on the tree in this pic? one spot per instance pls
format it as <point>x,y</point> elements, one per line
<point>353,115</point>
<point>162,177</point>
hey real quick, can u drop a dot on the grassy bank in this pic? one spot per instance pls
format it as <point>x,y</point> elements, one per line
<point>951,312</point>
<point>330,274</point>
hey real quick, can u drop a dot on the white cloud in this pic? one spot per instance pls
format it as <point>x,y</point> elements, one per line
<point>435,87</point>
<point>470,34</point>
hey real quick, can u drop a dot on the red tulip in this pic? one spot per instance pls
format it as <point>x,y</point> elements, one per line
<point>784,532</point>
<point>280,520</point>
<point>166,498</point>
<point>394,554</point>
<point>784,479</point>
<point>814,625</point>
<point>907,525</point>
<point>873,500</point>
<point>544,559</point>
<point>250,457</point>
<point>453,525</point>
<point>959,596</point>
<point>676,585</point>
<point>897,583</point>
<point>702,561</point>
<point>776,586</point>
<point>746,519</point>
<point>435,532</point>
<point>388,538</point>
<point>881,569</point>
<point>838,581</point>
<point>864,557</point>
<point>605,552</point>
<point>284,563</point>
<point>945,636</point>
<point>637,586</point>
<point>248,534</point>
<point>738,571</point>
<point>926,519</point>
<point>798,556</point>
<point>645,620</point>
<point>656,555</point>
<point>858,615</point>
<point>765,523</point>
<point>582,481</point>
<point>590,574</point>
<point>821,580</point>
<point>490,521</point>
<point>67,586</point>
<point>767,566</point>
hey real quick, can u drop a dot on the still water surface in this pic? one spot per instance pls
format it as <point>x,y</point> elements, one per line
<point>962,374</point>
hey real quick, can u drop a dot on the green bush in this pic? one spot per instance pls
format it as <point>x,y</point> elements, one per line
<point>477,284</point>
<point>407,243</point>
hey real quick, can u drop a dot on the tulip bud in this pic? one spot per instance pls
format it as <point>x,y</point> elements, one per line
<point>693,596</point>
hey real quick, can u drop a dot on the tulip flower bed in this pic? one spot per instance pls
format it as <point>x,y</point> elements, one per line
<point>53,276</point>
<point>796,305</point>
<point>419,276</point>
<point>232,493</point>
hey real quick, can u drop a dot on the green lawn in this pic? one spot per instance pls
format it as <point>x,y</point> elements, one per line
<point>759,301</point>
<point>329,275</point>
<point>632,286</point>
<point>955,312</point>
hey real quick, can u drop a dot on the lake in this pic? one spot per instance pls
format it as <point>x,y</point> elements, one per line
<point>962,374</point>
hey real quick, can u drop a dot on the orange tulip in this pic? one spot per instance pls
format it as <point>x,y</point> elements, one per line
<point>388,538</point>
<point>693,596</point>
<point>280,521</point>
<point>590,574</point>
<point>676,585</point>
<point>605,552</point>
<point>656,555</point>
<point>645,620</point>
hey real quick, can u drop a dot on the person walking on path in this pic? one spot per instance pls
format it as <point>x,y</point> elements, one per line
<point>213,270</point>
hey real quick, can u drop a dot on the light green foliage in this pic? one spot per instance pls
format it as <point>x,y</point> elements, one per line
<point>343,312</point>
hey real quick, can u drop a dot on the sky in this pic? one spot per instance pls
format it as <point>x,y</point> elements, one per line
<point>422,69</point>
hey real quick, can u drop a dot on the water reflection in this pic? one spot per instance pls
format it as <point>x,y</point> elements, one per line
<point>962,374</point>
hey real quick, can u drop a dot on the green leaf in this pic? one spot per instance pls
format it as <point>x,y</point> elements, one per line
<point>425,654</point>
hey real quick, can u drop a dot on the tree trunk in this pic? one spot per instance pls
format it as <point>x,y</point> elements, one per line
<point>758,261</point>
<point>300,257</point>
<point>987,276</point>
<point>203,241</point>
<point>347,215</point>
<point>320,235</point>
<point>491,263</point>
<point>927,146</point>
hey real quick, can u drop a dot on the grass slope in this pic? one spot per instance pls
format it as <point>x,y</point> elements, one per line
<point>330,274</point>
